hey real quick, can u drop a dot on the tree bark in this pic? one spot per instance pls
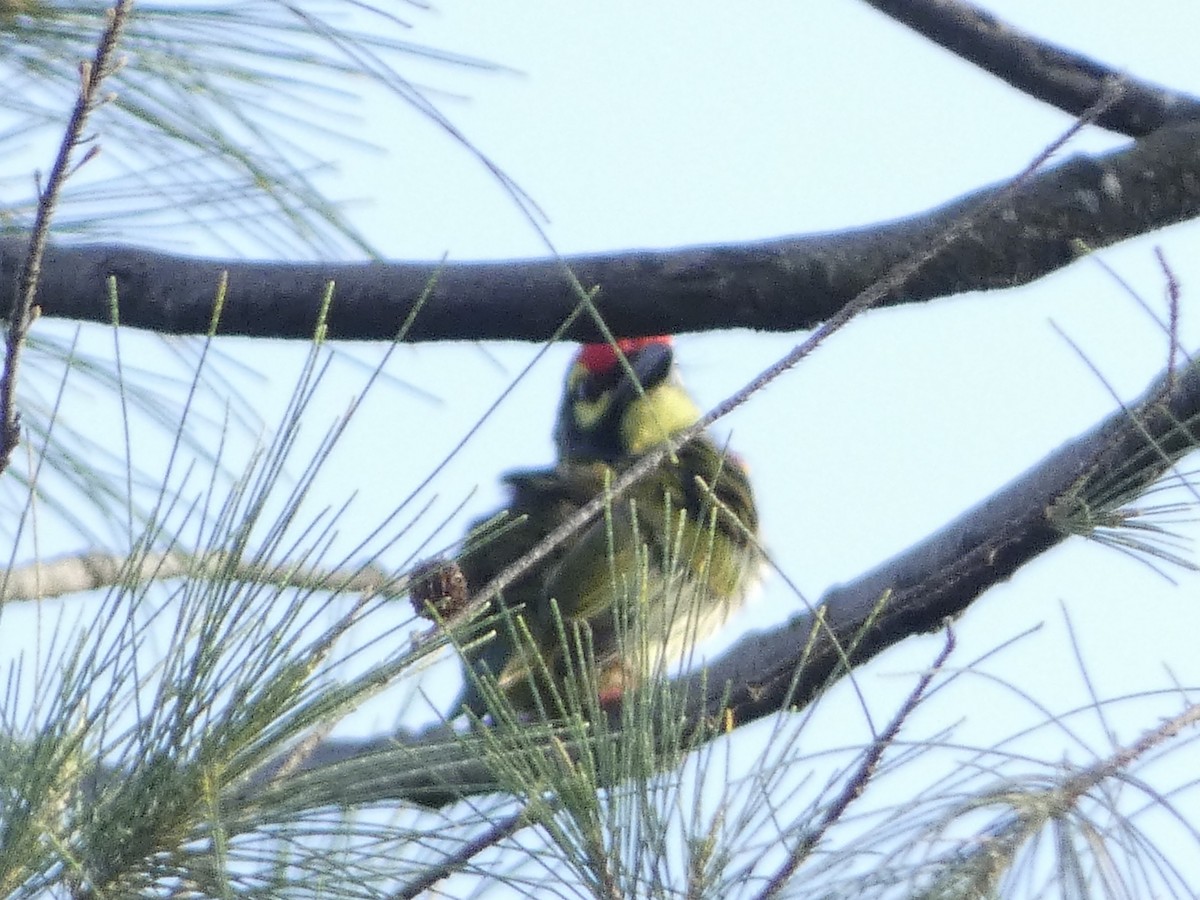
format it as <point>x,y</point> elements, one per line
<point>1041,224</point>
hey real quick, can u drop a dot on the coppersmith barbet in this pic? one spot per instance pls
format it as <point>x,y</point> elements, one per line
<point>664,566</point>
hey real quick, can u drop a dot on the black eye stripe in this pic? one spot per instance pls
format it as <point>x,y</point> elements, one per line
<point>592,385</point>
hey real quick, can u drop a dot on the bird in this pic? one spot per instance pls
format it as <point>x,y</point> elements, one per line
<point>664,566</point>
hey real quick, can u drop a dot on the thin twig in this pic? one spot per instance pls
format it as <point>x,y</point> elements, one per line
<point>23,311</point>
<point>503,829</point>
<point>858,782</point>
<point>1173,313</point>
<point>892,282</point>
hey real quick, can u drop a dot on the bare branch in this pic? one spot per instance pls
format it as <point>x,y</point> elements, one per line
<point>859,779</point>
<point>21,307</point>
<point>944,574</point>
<point>91,571</point>
<point>785,284</point>
<point>1064,79</point>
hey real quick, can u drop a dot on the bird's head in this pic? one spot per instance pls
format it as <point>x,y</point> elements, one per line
<point>611,411</point>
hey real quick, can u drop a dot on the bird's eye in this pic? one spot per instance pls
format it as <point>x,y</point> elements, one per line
<point>593,386</point>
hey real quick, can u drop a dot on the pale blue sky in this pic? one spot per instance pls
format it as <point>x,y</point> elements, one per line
<point>657,125</point>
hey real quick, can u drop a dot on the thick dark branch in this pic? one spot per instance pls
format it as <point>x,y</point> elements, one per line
<point>1054,75</point>
<point>785,669</point>
<point>780,285</point>
<point>1073,491</point>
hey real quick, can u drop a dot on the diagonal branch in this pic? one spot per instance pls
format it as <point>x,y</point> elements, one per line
<point>25,285</point>
<point>1052,74</point>
<point>785,284</point>
<point>1076,490</point>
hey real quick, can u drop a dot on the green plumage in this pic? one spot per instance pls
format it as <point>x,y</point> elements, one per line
<point>663,567</point>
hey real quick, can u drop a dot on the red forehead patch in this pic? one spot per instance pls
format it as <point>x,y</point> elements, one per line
<point>601,358</point>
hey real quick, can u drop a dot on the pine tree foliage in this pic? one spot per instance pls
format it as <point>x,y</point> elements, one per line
<point>171,729</point>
